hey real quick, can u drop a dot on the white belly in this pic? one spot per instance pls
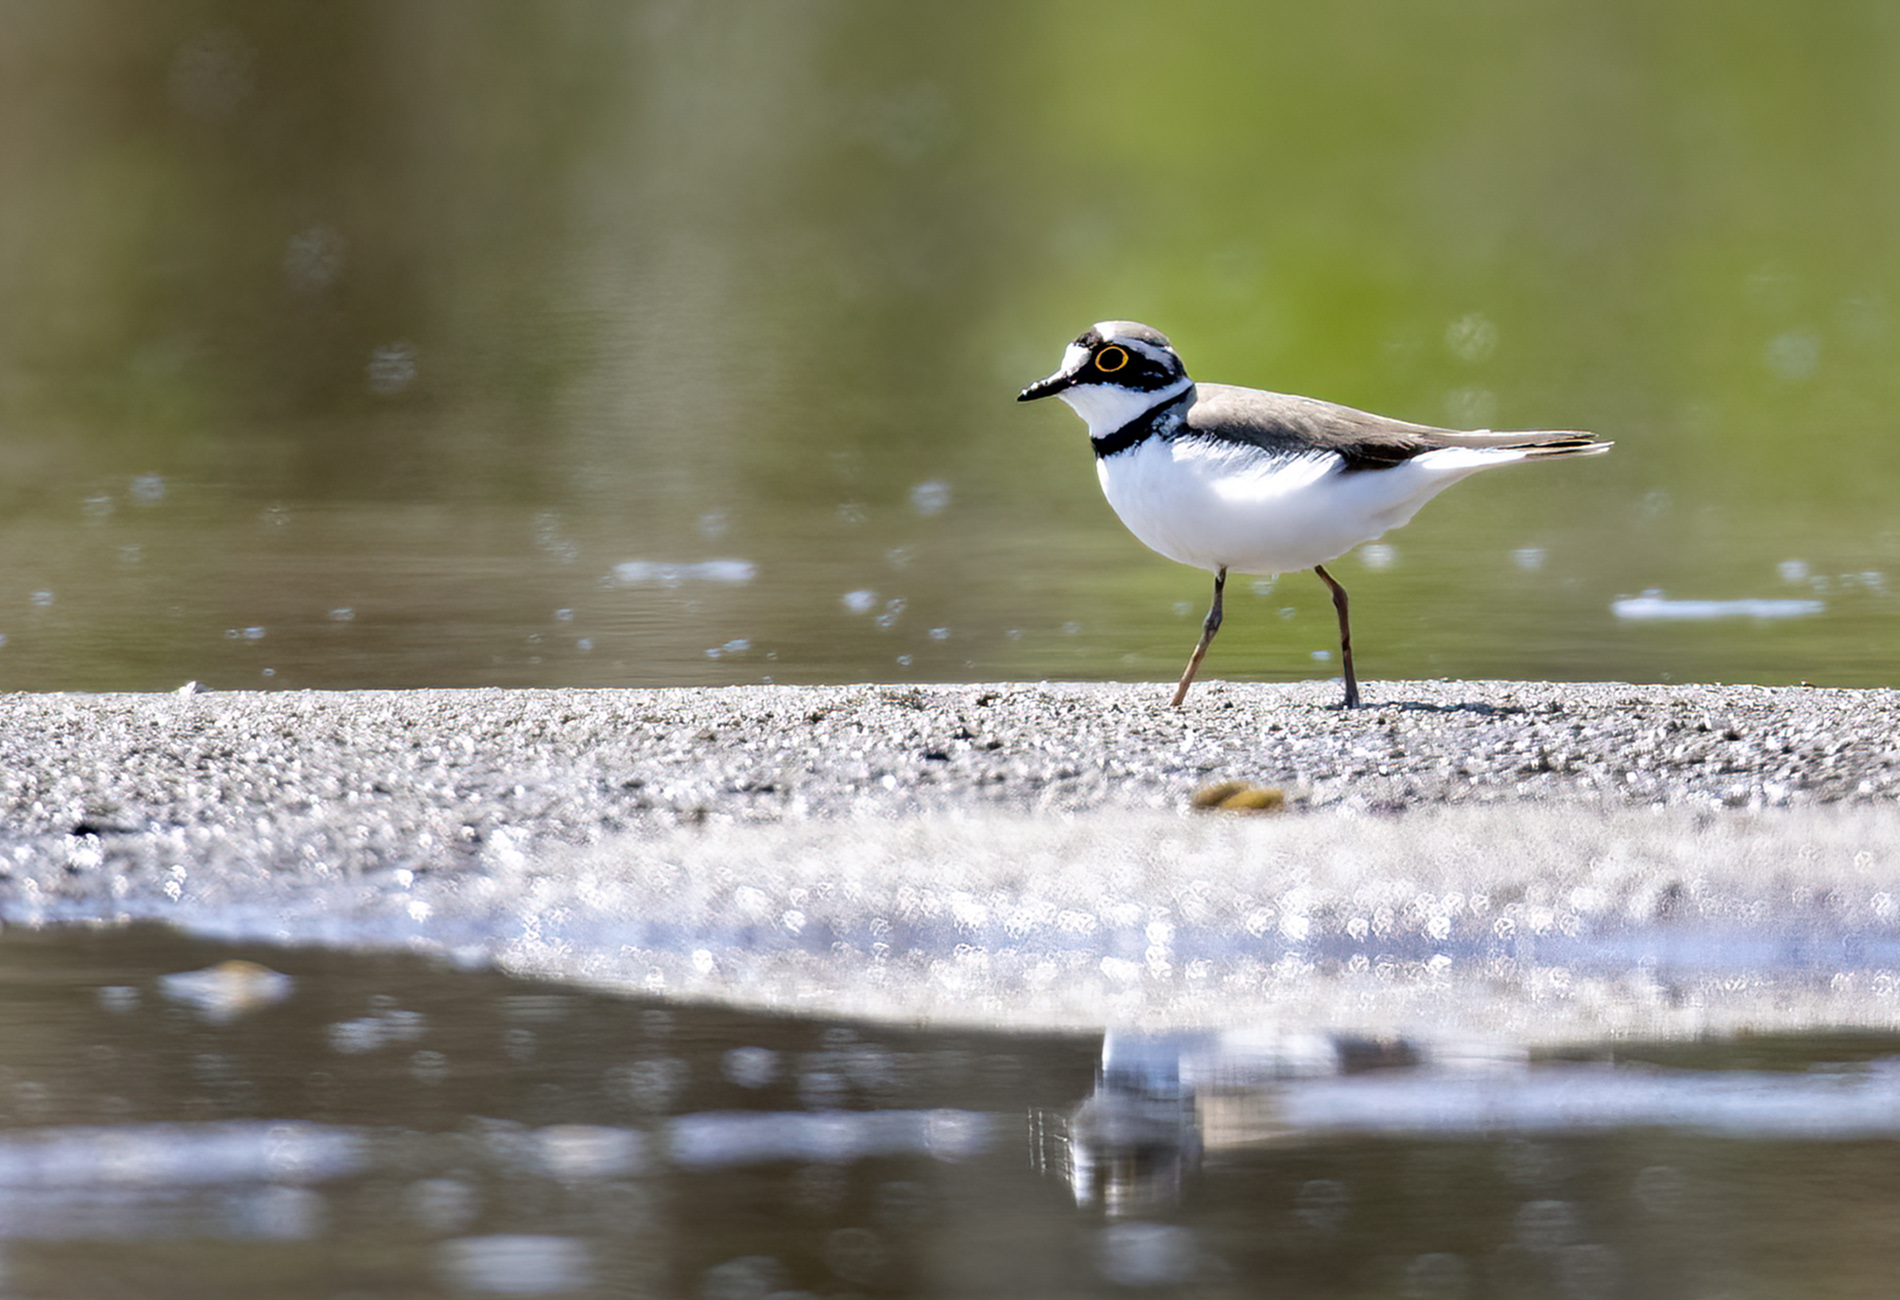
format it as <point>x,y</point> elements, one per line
<point>1214,506</point>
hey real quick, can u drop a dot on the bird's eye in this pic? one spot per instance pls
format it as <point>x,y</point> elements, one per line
<point>1110,359</point>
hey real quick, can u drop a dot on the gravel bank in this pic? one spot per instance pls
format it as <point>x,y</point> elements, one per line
<point>1016,853</point>
<point>362,780</point>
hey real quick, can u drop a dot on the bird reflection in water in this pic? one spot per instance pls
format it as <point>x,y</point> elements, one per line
<point>1163,1101</point>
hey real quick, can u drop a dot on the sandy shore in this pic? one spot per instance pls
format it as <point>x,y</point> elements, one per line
<point>423,777</point>
<point>1522,858</point>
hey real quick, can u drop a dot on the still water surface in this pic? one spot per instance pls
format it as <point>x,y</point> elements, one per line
<point>330,1124</point>
<point>484,344</point>
<point>475,343</point>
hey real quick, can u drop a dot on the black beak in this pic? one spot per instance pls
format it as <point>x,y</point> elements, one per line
<point>1045,388</point>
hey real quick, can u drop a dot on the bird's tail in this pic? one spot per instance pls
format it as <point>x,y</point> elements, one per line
<point>1540,443</point>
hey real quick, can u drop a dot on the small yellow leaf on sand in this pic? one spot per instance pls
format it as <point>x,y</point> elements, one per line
<point>1238,796</point>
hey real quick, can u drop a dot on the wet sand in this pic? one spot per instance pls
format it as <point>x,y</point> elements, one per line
<point>378,778</point>
<point>1520,858</point>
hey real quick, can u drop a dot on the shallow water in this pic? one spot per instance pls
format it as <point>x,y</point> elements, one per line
<point>383,1125</point>
<point>428,344</point>
<point>444,345</point>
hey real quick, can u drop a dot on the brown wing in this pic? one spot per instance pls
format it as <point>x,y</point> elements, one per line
<point>1283,423</point>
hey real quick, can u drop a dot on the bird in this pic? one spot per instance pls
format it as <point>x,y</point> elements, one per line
<point>1242,480</point>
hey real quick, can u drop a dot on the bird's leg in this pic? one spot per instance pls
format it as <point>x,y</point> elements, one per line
<point>1209,626</point>
<point>1345,635</point>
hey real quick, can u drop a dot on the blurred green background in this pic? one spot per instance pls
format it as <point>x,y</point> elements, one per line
<point>452,342</point>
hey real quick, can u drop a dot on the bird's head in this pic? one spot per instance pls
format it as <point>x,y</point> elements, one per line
<point>1114,372</point>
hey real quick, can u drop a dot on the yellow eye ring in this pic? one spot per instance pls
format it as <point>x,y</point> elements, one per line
<point>1110,359</point>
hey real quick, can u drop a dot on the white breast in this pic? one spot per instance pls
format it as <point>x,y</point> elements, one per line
<point>1219,505</point>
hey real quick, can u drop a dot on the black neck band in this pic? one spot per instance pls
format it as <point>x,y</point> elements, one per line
<point>1151,423</point>
<point>1139,429</point>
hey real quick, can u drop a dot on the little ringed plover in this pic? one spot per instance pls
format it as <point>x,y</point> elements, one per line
<point>1225,478</point>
